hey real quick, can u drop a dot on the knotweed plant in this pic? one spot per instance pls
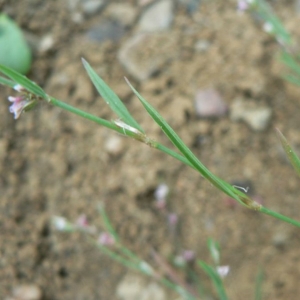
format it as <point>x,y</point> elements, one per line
<point>108,241</point>
<point>30,94</point>
<point>126,125</point>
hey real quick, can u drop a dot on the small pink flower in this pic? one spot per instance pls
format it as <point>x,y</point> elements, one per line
<point>106,239</point>
<point>82,221</point>
<point>188,255</point>
<point>18,105</point>
<point>172,219</point>
<point>242,5</point>
<point>185,258</point>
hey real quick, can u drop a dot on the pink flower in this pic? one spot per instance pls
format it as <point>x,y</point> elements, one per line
<point>106,239</point>
<point>172,219</point>
<point>18,105</point>
<point>188,255</point>
<point>82,221</point>
<point>242,5</point>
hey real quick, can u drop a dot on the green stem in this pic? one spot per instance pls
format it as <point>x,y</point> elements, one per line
<point>279,216</point>
<point>155,145</point>
<point>114,127</point>
<point>84,114</point>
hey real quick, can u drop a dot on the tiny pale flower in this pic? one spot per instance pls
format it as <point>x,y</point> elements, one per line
<point>18,105</point>
<point>242,5</point>
<point>59,223</point>
<point>188,255</point>
<point>82,221</point>
<point>223,271</point>
<point>24,102</point>
<point>172,220</point>
<point>106,239</point>
<point>161,192</point>
<point>19,88</point>
<point>268,27</point>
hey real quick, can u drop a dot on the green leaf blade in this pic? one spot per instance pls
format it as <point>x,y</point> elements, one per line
<point>258,292</point>
<point>111,98</point>
<point>215,278</point>
<point>179,144</point>
<point>23,81</point>
<point>292,156</point>
<point>7,82</point>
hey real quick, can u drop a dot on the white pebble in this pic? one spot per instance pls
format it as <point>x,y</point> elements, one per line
<point>209,103</point>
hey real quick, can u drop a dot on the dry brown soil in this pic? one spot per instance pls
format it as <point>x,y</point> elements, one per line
<point>54,163</point>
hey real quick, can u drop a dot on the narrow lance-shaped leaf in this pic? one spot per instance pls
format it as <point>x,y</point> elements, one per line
<point>107,222</point>
<point>267,14</point>
<point>7,82</point>
<point>175,139</point>
<point>214,249</point>
<point>110,97</point>
<point>23,81</point>
<point>292,79</point>
<point>258,285</point>
<point>292,156</point>
<point>290,62</point>
<point>215,278</point>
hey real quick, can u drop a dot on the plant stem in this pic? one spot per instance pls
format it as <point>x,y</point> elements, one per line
<point>114,127</point>
<point>279,216</point>
<point>155,145</point>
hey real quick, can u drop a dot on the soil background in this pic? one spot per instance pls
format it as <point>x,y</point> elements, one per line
<point>54,163</point>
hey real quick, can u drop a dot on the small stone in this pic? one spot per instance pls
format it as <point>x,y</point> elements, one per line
<point>27,292</point>
<point>123,13</point>
<point>202,45</point>
<point>91,7</point>
<point>280,240</point>
<point>157,17</point>
<point>142,55</point>
<point>133,287</point>
<point>114,145</point>
<point>46,43</point>
<point>209,104</point>
<point>144,2</point>
<point>258,118</point>
<point>106,30</point>
<point>191,6</point>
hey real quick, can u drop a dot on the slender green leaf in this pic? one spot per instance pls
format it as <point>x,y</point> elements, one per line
<point>214,249</point>
<point>258,285</point>
<point>107,222</point>
<point>23,81</point>
<point>292,156</point>
<point>292,79</point>
<point>266,13</point>
<point>110,97</point>
<point>8,82</point>
<point>215,278</point>
<point>290,62</point>
<point>175,139</point>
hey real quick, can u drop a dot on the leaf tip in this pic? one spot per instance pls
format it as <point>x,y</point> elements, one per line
<point>280,135</point>
<point>84,61</point>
